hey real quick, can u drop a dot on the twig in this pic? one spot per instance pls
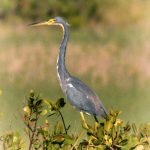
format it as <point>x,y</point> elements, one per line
<point>33,132</point>
<point>80,135</point>
<point>63,122</point>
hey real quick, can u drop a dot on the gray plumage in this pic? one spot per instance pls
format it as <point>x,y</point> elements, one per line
<point>80,95</point>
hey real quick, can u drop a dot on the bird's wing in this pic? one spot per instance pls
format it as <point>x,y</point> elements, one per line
<point>88,96</point>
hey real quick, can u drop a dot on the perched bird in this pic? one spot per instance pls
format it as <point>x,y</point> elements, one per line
<point>79,94</point>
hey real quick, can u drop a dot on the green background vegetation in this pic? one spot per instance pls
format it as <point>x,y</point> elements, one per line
<point>108,49</point>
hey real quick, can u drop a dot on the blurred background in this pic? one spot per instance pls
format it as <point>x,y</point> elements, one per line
<point>109,49</point>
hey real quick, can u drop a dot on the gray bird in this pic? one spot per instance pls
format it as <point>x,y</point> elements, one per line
<point>79,94</point>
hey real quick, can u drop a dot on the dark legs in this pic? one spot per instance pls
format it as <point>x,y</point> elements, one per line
<point>96,118</point>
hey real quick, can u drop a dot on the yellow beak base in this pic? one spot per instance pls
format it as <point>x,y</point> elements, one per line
<point>50,22</point>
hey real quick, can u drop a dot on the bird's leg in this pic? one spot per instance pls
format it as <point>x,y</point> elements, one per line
<point>84,121</point>
<point>96,119</point>
<point>96,125</point>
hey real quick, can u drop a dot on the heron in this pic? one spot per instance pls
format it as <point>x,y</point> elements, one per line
<point>78,93</point>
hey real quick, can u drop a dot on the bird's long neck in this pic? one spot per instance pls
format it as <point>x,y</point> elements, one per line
<point>61,68</point>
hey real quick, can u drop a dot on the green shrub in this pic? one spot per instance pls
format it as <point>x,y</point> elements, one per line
<point>112,133</point>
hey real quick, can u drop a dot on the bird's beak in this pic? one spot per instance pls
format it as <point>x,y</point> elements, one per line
<point>50,22</point>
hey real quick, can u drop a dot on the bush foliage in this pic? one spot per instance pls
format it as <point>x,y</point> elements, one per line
<point>78,12</point>
<point>111,133</point>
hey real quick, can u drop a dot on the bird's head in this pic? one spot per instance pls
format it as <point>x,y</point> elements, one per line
<point>55,21</point>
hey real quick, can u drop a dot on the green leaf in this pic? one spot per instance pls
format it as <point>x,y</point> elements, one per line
<point>68,140</point>
<point>44,112</point>
<point>33,119</point>
<point>58,139</point>
<point>123,142</point>
<point>38,103</point>
<point>134,128</point>
<point>100,132</point>
<point>108,126</point>
<point>58,129</point>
